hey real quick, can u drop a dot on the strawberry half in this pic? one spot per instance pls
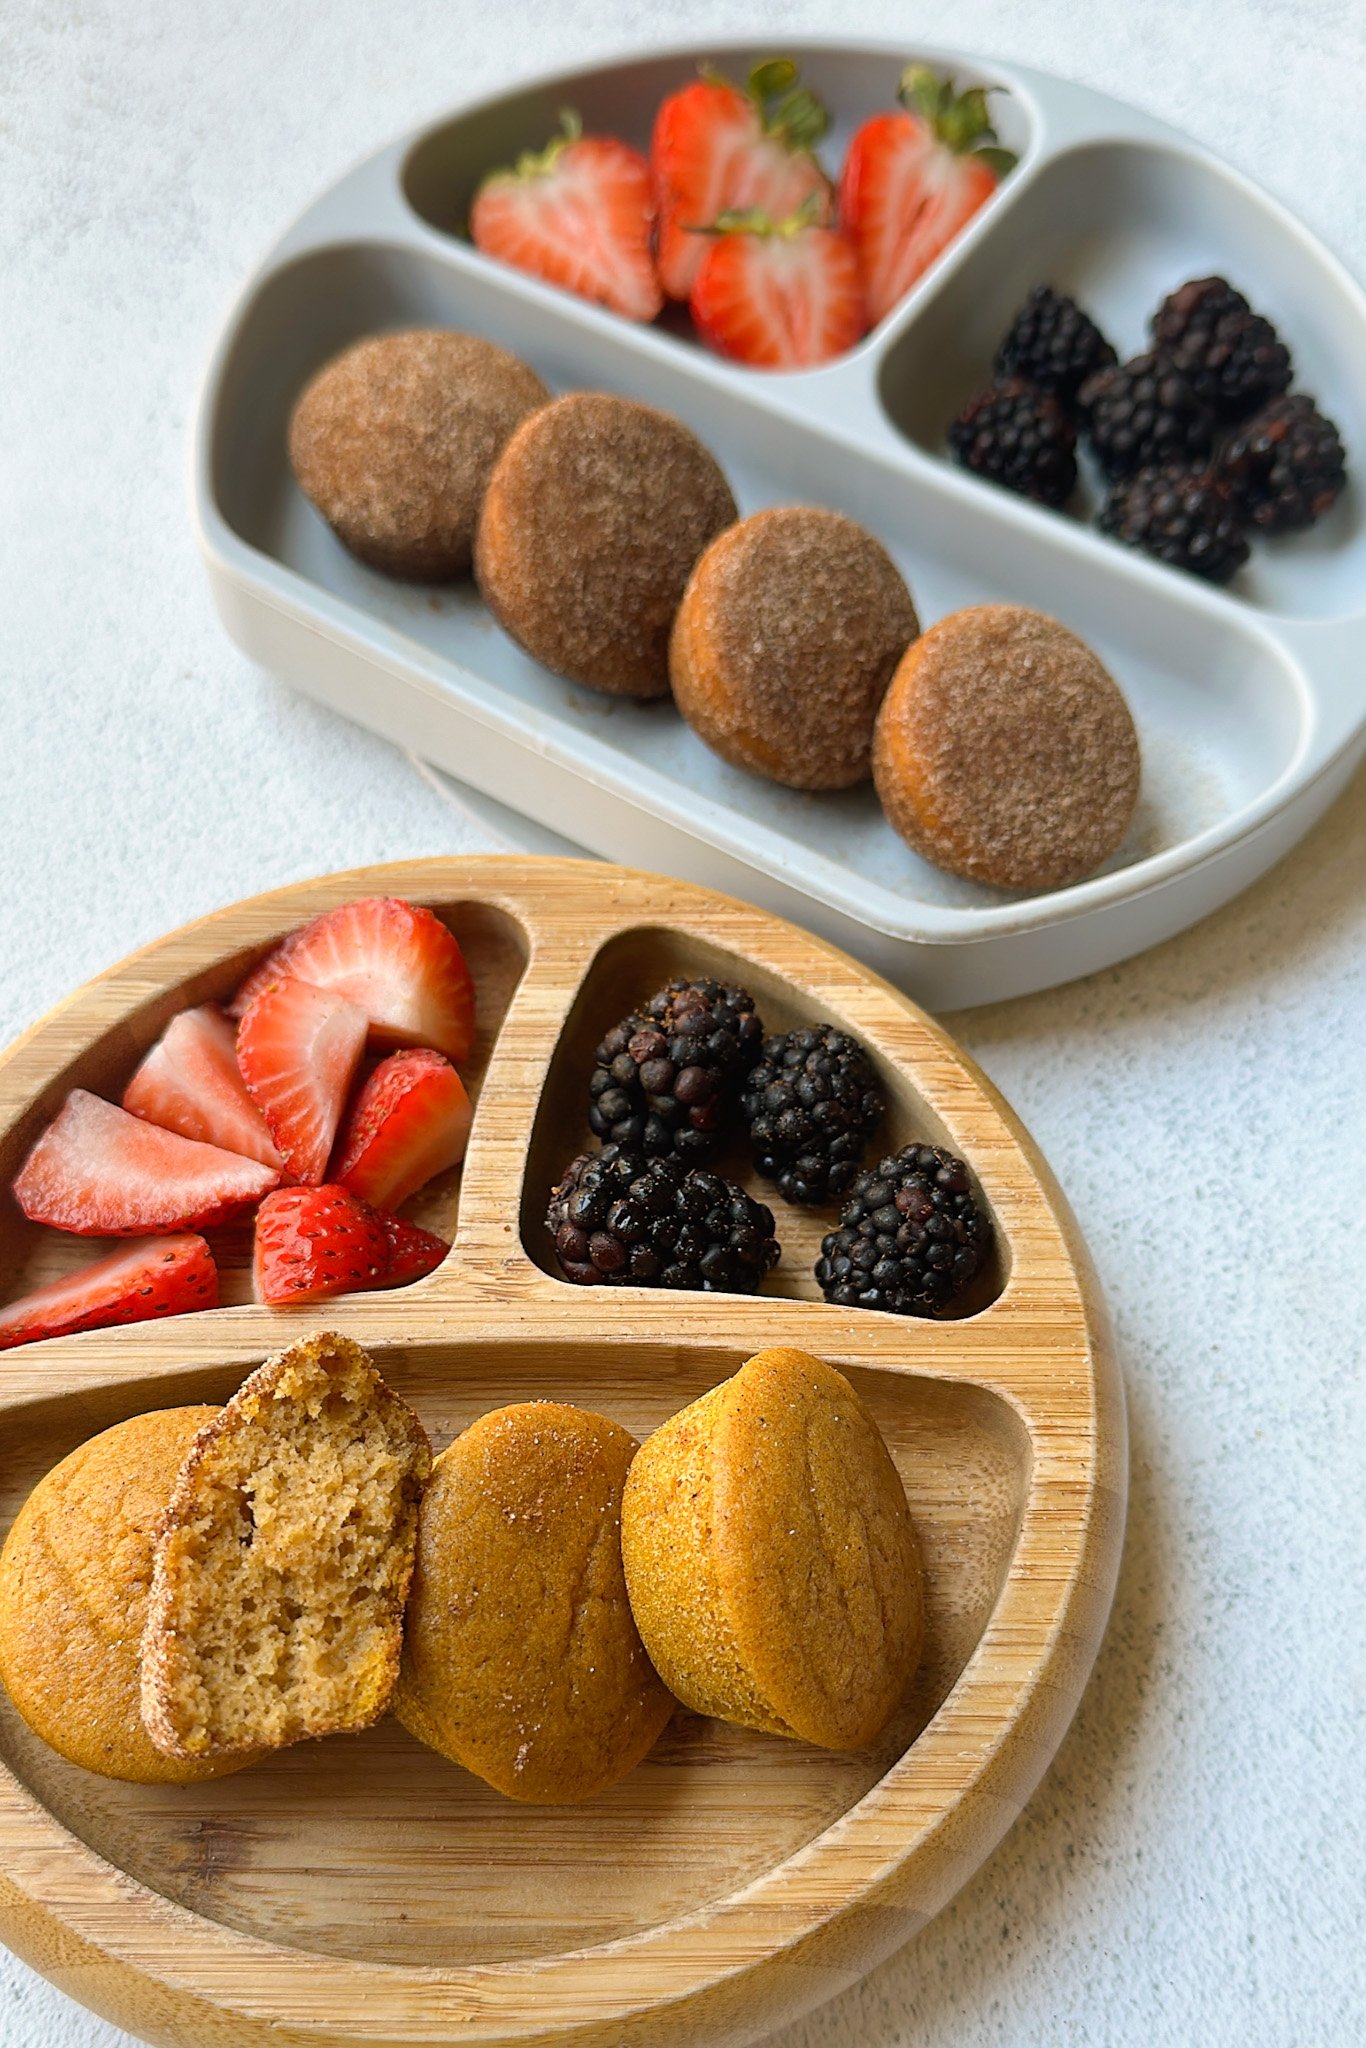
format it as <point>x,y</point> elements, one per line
<point>779,295</point>
<point>315,1242</point>
<point>912,180</point>
<point>150,1277</point>
<point>409,1121</point>
<point>722,148</point>
<point>190,1082</point>
<point>298,1048</point>
<point>400,963</point>
<point>99,1172</point>
<point>412,1252</point>
<point>580,215</point>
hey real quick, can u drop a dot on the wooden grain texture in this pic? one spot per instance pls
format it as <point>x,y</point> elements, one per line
<point>362,1890</point>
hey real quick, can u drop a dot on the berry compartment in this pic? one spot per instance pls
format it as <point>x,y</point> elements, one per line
<point>1117,226</point>
<point>31,1254</point>
<point>629,969</point>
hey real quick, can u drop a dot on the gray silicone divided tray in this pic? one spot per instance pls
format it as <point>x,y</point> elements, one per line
<point>1251,703</point>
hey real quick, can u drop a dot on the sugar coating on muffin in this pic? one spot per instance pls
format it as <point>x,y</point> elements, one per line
<point>1005,751</point>
<point>594,516</point>
<point>394,441</point>
<point>788,635</point>
<point>74,1579</point>
<point>772,1564</point>
<point>521,1660</point>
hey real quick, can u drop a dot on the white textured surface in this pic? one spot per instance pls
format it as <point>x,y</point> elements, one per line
<point>1191,1869</point>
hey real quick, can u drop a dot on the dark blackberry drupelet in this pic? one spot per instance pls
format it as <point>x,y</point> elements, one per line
<point>1143,412</point>
<point>667,1078</point>
<point>1286,466</point>
<point>1020,437</point>
<point>1230,356</point>
<point>911,1238</point>
<point>812,1104</point>
<point>619,1219</point>
<point>1184,517</point>
<point>1051,343</point>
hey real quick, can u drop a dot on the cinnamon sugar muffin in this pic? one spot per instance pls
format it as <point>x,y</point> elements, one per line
<point>788,635</point>
<point>594,516</point>
<point>520,1657</point>
<point>772,1564</point>
<point>1005,751</point>
<point>394,441</point>
<point>74,1578</point>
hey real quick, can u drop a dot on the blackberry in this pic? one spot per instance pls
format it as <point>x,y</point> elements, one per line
<point>1181,516</point>
<point>1016,435</point>
<point>1286,466</point>
<point>619,1219</point>
<point>667,1078</point>
<point>812,1104</point>
<point>1052,344</point>
<point>1142,412</point>
<point>1230,356</point>
<point>911,1238</point>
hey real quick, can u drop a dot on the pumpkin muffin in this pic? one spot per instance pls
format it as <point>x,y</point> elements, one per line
<point>773,1569</point>
<point>788,634</point>
<point>74,1578</point>
<point>592,521</point>
<point>394,441</point>
<point>1005,751</point>
<point>284,1558</point>
<point>520,1657</point>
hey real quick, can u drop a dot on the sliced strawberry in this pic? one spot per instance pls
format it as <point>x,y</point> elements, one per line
<point>912,180</point>
<point>312,1242</point>
<point>101,1173</point>
<point>409,1121</point>
<point>399,962</point>
<point>719,148</point>
<point>412,1252</point>
<point>580,215</point>
<point>778,295</point>
<point>190,1082</point>
<point>298,1048</point>
<point>148,1277</point>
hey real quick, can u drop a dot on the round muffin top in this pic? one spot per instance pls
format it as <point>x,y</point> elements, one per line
<point>1005,750</point>
<point>395,438</point>
<point>789,634</point>
<point>595,514</point>
<point>74,1580</point>
<point>521,1660</point>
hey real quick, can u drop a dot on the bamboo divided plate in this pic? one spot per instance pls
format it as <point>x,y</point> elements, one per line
<point>363,1890</point>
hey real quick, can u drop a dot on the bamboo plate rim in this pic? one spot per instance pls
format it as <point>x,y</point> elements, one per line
<point>813,1922</point>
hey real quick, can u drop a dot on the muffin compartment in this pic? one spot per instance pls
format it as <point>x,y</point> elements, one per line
<point>624,974</point>
<point>1118,225</point>
<point>495,946</point>
<point>375,1848</point>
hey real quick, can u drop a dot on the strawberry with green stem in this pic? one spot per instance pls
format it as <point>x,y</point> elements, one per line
<point>779,295</point>
<point>719,148</point>
<point>578,214</point>
<point>913,179</point>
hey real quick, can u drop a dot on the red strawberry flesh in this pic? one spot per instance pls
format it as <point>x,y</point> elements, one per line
<point>147,1278</point>
<point>312,1242</point>
<point>413,1252</point>
<point>410,1120</point>
<point>190,1082</point>
<point>579,215</point>
<point>396,960</point>
<point>99,1172</point>
<point>779,296</point>
<point>298,1048</point>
